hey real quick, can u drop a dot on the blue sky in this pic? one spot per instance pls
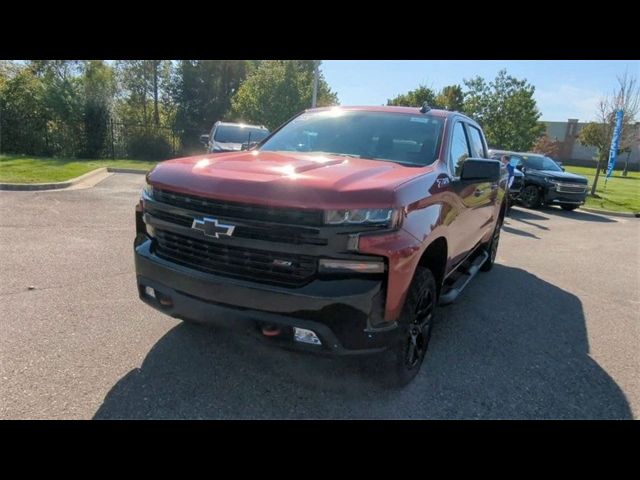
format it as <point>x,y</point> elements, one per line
<point>564,88</point>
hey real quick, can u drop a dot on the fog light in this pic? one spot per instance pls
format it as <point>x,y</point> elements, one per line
<point>150,292</point>
<point>305,336</point>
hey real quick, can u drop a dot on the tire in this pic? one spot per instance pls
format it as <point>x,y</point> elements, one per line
<point>569,208</point>
<point>530,196</point>
<point>492,248</point>
<point>416,324</point>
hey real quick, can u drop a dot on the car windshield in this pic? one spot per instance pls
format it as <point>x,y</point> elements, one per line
<point>541,163</point>
<point>239,134</point>
<point>412,140</point>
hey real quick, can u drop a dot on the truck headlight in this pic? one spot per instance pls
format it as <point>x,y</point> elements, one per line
<point>327,265</point>
<point>371,216</point>
<point>147,192</point>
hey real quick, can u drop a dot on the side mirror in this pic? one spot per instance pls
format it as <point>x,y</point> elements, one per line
<point>204,139</point>
<point>520,167</point>
<point>480,170</point>
<point>563,169</point>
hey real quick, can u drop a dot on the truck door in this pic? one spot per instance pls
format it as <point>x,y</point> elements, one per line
<point>486,192</point>
<point>469,209</point>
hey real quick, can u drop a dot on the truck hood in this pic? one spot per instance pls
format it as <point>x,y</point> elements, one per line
<point>566,176</point>
<point>286,179</point>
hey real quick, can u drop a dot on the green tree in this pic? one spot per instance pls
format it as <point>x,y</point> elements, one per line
<point>62,103</point>
<point>278,89</point>
<point>546,146</point>
<point>450,98</point>
<point>99,90</point>
<point>625,97</point>
<point>202,91</point>
<point>506,110</point>
<point>22,114</point>
<point>414,98</point>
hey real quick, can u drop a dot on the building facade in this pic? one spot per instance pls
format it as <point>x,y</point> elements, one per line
<point>572,152</point>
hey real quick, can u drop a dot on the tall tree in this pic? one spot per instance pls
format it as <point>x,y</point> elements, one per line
<point>99,90</point>
<point>23,118</point>
<point>278,89</point>
<point>202,91</point>
<point>625,97</point>
<point>450,98</point>
<point>546,146</point>
<point>414,98</point>
<point>62,104</point>
<point>143,85</point>
<point>506,110</point>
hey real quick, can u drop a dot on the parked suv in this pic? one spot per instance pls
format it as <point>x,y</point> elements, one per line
<point>338,234</point>
<point>231,137</point>
<point>545,182</point>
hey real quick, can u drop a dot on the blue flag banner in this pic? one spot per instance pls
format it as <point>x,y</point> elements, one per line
<point>615,143</point>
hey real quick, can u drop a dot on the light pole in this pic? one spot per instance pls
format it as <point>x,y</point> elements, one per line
<point>316,63</point>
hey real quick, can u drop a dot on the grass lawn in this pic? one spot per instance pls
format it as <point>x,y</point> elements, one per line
<point>622,194</point>
<point>24,169</point>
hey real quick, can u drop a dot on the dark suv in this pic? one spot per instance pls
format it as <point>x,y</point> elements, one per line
<point>545,182</point>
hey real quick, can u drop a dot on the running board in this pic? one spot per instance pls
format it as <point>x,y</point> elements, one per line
<point>454,290</point>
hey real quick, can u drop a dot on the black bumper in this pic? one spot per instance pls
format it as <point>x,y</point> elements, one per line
<point>552,197</point>
<point>346,314</point>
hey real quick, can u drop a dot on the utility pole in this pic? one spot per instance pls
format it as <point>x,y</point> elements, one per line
<point>316,63</point>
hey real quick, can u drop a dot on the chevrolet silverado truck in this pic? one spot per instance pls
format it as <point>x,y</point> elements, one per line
<point>339,233</point>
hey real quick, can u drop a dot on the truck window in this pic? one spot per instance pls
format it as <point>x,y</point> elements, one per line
<point>459,149</point>
<point>477,145</point>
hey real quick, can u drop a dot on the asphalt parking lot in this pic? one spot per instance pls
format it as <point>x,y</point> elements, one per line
<point>551,332</point>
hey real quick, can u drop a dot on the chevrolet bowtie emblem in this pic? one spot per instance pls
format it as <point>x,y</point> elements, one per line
<point>212,228</point>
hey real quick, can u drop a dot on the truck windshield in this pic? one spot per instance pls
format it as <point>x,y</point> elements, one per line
<point>239,134</point>
<point>541,163</point>
<point>407,139</point>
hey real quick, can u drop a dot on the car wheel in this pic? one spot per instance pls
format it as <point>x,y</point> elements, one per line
<point>530,197</point>
<point>569,208</point>
<point>492,248</point>
<point>416,323</point>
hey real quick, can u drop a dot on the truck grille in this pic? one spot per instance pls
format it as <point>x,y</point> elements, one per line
<point>254,265</point>
<point>240,210</point>
<point>256,231</point>
<point>562,187</point>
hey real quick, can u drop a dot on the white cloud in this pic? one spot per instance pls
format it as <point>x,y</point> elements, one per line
<point>566,101</point>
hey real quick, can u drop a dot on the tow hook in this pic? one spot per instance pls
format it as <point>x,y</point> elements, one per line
<point>271,330</point>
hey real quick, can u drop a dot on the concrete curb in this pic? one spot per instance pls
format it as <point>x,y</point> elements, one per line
<point>613,214</point>
<point>126,170</point>
<point>87,180</point>
<point>87,177</point>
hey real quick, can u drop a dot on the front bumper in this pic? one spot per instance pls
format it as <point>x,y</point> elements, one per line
<point>345,313</point>
<point>554,197</point>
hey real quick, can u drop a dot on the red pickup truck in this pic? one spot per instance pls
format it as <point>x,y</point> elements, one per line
<point>339,233</point>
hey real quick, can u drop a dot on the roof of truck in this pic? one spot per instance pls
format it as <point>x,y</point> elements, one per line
<point>385,108</point>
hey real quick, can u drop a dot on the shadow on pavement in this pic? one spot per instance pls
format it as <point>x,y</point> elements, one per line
<point>577,215</point>
<point>520,213</point>
<point>517,231</point>
<point>513,346</point>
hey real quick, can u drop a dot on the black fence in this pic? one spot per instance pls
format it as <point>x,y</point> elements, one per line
<point>117,140</point>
